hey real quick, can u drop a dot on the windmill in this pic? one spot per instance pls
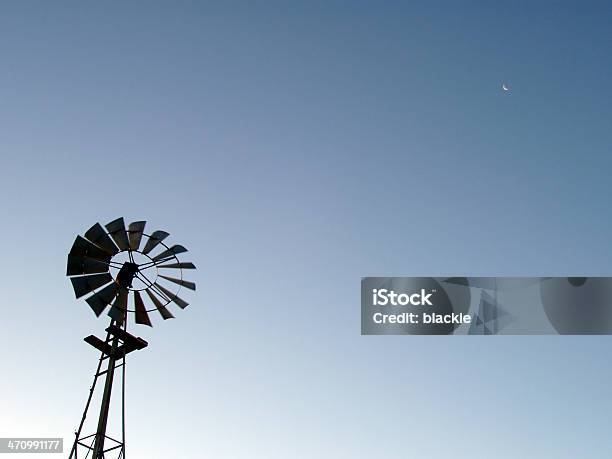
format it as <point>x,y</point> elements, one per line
<point>126,271</point>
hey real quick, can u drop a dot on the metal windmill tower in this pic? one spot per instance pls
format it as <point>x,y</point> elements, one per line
<point>116,267</point>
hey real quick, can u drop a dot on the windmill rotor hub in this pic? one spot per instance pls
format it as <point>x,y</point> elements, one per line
<point>126,274</point>
<point>140,267</point>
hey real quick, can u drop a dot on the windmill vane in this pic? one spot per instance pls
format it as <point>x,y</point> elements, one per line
<point>113,265</point>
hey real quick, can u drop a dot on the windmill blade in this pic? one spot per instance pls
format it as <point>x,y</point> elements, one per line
<point>98,236</point>
<point>154,240</point>
<point>160,307</point>
<point>171,252</point>
<point>98,301</point>
<point>142,317</point>
<point>184,265</point>
<point>78,265</point>
<point>116,229</point>
<point>83,248</point>
<point>172,296</point>
<point>119,308</point>
<point>86,284</point>
<point>184,283</point>
<point>135,231</point>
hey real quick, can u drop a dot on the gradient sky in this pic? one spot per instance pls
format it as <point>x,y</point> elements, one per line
<point>294,148</point>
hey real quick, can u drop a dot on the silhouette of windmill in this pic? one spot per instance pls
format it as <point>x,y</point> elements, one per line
<point>109,266</point>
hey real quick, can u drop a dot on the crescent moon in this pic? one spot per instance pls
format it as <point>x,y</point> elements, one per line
<point>504,87</point>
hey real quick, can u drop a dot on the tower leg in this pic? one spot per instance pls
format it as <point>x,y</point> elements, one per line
<point>98,452</point>
<point>77,433</point>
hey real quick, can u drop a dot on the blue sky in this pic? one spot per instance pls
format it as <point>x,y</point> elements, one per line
<point>294,148</point>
